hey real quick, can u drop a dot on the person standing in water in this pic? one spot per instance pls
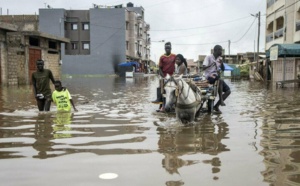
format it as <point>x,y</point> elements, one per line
<point>41,86</point>
<point>62,98</point>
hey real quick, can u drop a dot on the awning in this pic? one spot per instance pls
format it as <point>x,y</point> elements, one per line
<point>286,50</point>
<point>129,63</point>
<point>227,67</point>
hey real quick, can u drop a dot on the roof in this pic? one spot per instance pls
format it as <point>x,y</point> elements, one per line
<point>286,50</point>
<point>7,26</point>
<point>45,35</point>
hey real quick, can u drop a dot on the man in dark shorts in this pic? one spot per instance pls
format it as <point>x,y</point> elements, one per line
<point>41,86</point>
<point>212,65</point>
<point>166,66</point>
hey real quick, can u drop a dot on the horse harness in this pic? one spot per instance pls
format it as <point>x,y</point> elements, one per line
<point>177,94</point>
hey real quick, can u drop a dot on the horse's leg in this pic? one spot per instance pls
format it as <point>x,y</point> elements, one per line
<point>192,115</point>
<point>198,111</point>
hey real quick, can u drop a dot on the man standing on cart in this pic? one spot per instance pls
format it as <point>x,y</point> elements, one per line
<point>212,66</point>
<point>166,66</point>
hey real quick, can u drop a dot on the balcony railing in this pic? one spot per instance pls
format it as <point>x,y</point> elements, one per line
<point>269,37</point>
<point>147,27</point>
<point>148,41</point>
<point>297,25</point>
<point>279,33</point>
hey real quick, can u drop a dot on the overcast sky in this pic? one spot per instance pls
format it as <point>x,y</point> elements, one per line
<point>192,26</point>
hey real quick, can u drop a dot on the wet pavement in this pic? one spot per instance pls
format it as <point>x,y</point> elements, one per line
<point>117,138</point>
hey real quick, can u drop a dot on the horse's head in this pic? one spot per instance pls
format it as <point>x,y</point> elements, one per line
<point>171,91</point>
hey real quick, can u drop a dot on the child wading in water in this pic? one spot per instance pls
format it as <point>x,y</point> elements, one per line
<point>62,98</point>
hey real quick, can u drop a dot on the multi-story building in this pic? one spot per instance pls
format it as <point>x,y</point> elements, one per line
<point>100,38</point>
<point>282,22</point>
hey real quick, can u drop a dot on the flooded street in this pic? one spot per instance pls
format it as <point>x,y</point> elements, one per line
<point>256,141</point>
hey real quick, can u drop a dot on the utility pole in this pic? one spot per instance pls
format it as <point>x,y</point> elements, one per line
<point>228,51</point>
<point>229,48</point>
<point>258,35</point>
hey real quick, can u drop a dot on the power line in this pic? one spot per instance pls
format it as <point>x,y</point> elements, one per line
<point>245,32</point>
<point>203,26</point>
<point>221,41</point>
<point>201,43</point>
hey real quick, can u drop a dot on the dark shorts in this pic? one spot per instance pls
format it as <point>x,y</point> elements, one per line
<point>212,80</point>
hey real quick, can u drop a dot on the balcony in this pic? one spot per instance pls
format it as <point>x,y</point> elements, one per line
<point>275,38</point>
<point>139,19</point>
<point>269,38</point>
<point>297,32</point>
<point>279,33</point>
<point>139,36</point>
<point>147,27</point>
<point>148,41</point>
<point>297,25</point>
<point>274,5</point>
<point>270,2</point>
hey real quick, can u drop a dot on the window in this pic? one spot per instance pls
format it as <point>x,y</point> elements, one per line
<point>66,25</point>
<point>34,41</point>
<point>74,26</point>
<point>85,45</point>
<point>74,46</point>
<point>85,26</point>
<point>127,25</point>
<point>127,45</point>
<point>52,45</point>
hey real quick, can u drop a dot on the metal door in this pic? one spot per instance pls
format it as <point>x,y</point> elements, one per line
<point>34,55</point>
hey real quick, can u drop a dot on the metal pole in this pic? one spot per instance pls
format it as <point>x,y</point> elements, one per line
<point>254,55</point>
<point>258,35</point>
<point>284,67</point>
<point>229,48</point>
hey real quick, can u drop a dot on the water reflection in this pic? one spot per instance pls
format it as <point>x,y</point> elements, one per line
<point>43,134</point>
<point>205,138</point>
<point>117,122</point>
<point>280,126</point>
<point>62,124</point>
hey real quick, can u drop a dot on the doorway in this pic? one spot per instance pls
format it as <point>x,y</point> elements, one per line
<point>34,55</point>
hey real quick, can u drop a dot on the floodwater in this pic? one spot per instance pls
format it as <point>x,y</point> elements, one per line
<point>117,138</point>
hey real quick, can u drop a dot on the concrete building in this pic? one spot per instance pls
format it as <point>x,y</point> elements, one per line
<point>19,51</point>
<point>100,38</point>
<point>282,22</point>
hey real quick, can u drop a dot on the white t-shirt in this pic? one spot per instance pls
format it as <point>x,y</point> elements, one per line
<point>213,63</point>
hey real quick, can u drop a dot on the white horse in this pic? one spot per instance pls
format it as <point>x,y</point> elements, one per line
<point>187,102</point>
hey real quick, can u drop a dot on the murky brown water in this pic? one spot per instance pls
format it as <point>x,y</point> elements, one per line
<point>254,142</point>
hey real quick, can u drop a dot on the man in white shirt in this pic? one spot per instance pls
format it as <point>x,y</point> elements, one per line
<point>212,66</point>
